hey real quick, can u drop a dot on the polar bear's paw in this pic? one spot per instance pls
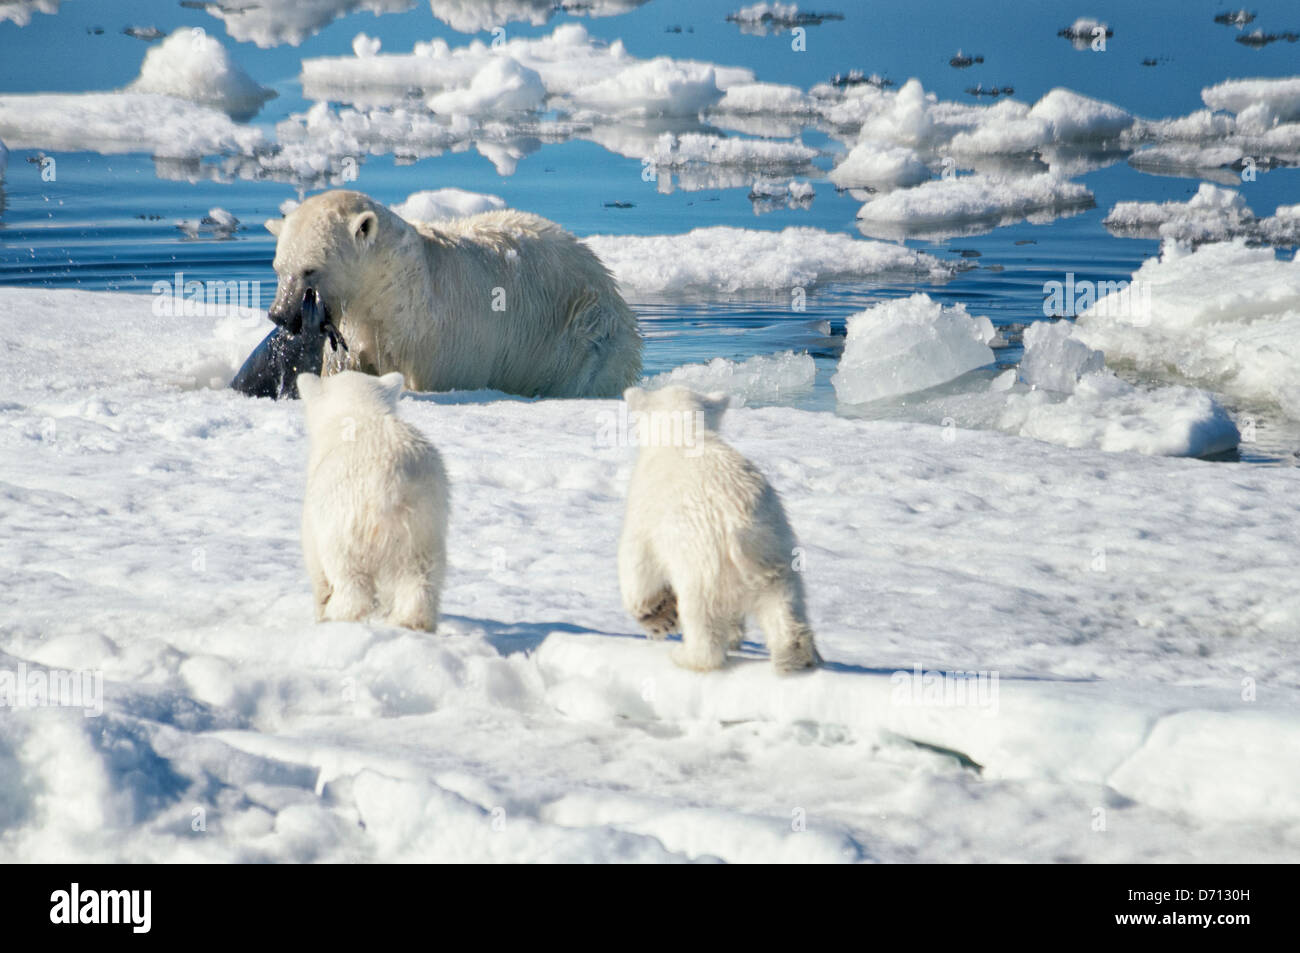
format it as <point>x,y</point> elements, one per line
<point>796,654</point>
<point>660,620</point>
<point>705,657</point>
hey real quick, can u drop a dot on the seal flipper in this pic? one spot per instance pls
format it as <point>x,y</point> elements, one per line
<point>272,369</point>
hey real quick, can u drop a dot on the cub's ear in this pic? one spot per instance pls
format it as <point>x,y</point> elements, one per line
<point>273,225</point>
<point>634,397</point>
<point>714,406</point>
<point>309,386</point>
<point>393,384</point>
<point>363,226</point>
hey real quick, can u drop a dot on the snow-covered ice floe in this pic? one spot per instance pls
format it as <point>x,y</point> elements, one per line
<point>726,260</point>
<point>112,123</point>
<point>191,65</point>
<point>182,105</point>
<point>1225,315</point>
<point>1212,214</point>
<point>965,205</point>
<point>437,204</point>
<point>1017,636</point>
<point>1062,392</point>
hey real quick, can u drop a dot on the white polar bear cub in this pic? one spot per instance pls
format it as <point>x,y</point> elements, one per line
<point>374,521</point>
<point>706,540</point>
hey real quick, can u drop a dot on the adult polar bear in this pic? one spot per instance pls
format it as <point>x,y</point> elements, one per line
<point>503,300</point>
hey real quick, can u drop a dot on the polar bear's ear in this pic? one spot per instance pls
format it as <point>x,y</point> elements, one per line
<point>273,225</point>
<point>634,397</point>
<point>363,226</point>
<point>714,405</point>
<point>393,384</point>
<point>309,386</point>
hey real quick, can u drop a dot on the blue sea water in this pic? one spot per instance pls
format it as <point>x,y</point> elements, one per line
<point>110,222</point>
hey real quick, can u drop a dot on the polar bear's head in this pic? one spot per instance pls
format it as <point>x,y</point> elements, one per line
<point>678,400</point>
<point>326,253</point>
<point>341,400</point>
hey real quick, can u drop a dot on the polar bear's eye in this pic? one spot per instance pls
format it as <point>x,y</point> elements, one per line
<point>307,273</point>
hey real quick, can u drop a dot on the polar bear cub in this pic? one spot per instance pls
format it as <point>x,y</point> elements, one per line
<point>705,539</point>
<point>374,521</point>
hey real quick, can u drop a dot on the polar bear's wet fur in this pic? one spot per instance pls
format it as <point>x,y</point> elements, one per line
<point>503,300</point>
<point>706,542</point>
<point>374,519</point>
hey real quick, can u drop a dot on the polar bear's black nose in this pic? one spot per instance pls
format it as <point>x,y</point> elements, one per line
<point>289,317</point>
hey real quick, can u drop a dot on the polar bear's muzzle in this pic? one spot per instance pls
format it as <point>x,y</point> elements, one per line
<point>312,316</point>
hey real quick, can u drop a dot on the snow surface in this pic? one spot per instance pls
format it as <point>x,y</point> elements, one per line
<point>1140,614</point>
<point>1226,316</point>
<point>726,259</point>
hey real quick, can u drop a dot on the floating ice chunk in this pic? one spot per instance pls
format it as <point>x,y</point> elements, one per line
<point>761,19</point>
<point>4,158</point>
<point>475,16</point>
<point>274,22</point>
<point>363,45</point>
<point>221,218</point>
<point>1075,118</point>
<point>579,73</point>
<point>673,151</point>
<point>658,87</point>
<point>763,378</point>
<point>876,166</point>
<point>765,99</point>
<point>439,204</point>
<point>501,86</point>
<point>768,195</point>
<point>727,260</point>
<point>1280,97</point>
<point>1212,214</point>
<point>1054,360</point>
<point>1060,117</point>
<point>191,65</point>
<point>1084,31</point>
<point>20,12</point>
<point>907,345</point>
<point>114,123</point>
<point>905,119</point>
<point>220,223</point>
<point>1106,413</point>
<point>1225,315</point>
<point>966,203</point>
